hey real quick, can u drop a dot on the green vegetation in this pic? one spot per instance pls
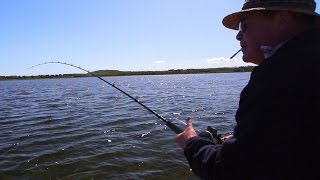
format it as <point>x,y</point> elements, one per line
<point>131,73</point>
<point>44,76</point>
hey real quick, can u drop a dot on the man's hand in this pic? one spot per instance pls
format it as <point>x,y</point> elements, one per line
<point>188,133</point>
<point>226,137</point>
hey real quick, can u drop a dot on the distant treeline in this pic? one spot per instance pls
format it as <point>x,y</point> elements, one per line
<point>131,73</point>
<point>44,76</point>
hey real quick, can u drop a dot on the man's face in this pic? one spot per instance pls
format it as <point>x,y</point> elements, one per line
<point>256,29</point>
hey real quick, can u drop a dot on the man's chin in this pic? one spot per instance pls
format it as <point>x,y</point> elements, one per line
<point>245,59</point>
<point>251,60</point>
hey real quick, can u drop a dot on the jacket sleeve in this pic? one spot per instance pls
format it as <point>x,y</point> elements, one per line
<point>204,157</point>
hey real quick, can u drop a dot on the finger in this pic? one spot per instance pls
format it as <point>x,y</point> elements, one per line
<point>189,122</point>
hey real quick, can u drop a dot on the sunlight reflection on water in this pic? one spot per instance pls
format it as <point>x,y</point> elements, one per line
<point>82,128</point>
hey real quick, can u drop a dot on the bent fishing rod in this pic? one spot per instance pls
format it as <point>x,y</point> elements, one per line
<point>172,126</point>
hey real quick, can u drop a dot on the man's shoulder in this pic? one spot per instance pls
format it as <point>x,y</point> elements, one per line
<point>306,40</point>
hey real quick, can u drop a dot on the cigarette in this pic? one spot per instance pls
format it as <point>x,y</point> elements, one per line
<point>235,53</point>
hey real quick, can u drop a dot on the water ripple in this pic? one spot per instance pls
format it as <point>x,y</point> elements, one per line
<point>84,129</point>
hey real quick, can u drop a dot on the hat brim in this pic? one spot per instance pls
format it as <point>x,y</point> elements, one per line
<point>232,21</point>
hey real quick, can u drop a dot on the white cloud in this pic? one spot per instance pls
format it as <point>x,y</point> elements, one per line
<point>225,62</point>
<point>214,62</point>
<point>159,62</point>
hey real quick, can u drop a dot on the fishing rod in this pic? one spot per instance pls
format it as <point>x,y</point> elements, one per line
<point>172,126</point>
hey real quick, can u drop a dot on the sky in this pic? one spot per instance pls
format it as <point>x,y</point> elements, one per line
<point>126,35</point>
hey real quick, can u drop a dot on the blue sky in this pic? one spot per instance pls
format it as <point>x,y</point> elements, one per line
<point>115,34</point>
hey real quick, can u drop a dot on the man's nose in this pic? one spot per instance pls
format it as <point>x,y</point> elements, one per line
<point>239,36</point>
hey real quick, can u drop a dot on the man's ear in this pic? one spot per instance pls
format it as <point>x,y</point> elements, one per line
<point>282,20</point>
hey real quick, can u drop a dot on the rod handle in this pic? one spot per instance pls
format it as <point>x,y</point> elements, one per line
<point>174,127</point>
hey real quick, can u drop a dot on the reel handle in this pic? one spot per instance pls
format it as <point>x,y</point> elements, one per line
<point>212,134</point>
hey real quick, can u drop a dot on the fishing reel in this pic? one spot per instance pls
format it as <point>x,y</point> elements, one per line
<point>211,134</point>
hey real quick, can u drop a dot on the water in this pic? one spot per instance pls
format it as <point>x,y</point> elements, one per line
<point>83,128</point>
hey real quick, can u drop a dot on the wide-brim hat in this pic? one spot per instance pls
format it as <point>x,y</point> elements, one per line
<point>299,6</point>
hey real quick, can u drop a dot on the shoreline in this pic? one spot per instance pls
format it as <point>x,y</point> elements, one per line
<point>134,73</point>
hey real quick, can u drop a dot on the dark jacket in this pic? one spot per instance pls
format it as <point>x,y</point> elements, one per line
<point>278,123</point>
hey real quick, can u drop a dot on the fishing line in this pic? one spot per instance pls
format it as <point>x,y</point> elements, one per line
<point>168,123</point>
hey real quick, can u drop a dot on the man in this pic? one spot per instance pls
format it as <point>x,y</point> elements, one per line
<point>277,130</point>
